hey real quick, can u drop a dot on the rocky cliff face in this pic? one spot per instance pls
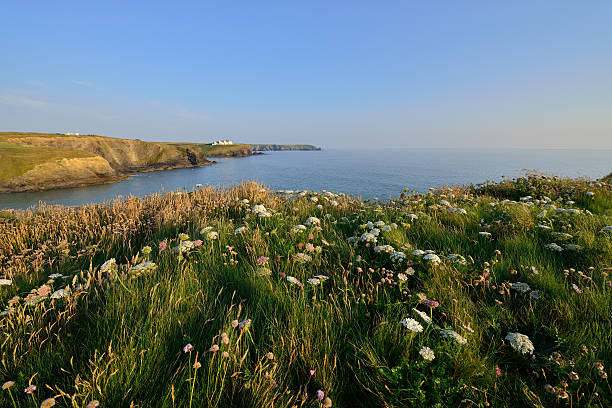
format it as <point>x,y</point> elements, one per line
<point>112,159</point>
<point>282,147</point>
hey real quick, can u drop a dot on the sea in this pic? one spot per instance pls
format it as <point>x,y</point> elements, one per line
<point>369,173</point>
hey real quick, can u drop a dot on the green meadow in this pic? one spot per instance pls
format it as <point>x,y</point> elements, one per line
<point>491,295</point>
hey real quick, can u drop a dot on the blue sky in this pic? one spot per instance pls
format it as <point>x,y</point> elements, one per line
<point>394,74</point>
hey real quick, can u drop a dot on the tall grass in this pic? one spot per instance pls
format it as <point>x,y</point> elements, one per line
<point>293,311</point>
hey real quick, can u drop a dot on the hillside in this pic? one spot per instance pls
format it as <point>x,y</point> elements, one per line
<point>282,147</point>
<point>203,150</point>
<point>495,295</point>
<point>39,161</point>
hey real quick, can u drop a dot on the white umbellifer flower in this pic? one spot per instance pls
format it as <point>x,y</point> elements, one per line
<point>212,235</point>
<point>543,226</point>
<point>240,230</point>
<point>554,247</point>
<point>590,193</point>
<point>413,216</point>
<point>302,257</point>
<point>263,271</point>
<point>314,281</point>
<point>375,231</point>
<point>205,230</point>
<point>384,248</point>
<point>521,287</point>
<point>352,240</point>
<point>369,225</point>
<point>543,213</point>
<point>6,282</point>
<point>534,294</point>
<point>433,258</point>
<point>402,276</point>
<point>412,325</point>
<point>418,252</point>
<point>525,198</point>
<point>108,266</point>
<point>520,343</point>
<point>334,203</point>
<point>314,199</point>
<point>298,228</point>
<point>264,214</point>
<point>386,228</point>
<point>445,203</point>
<point>573,211</point>
<point>379,224</point>
<point>245,201</point>
<point>143,267</point>
<point>293,280</point>
<point>60,293</point>
<point>310,221</point>
<point>259,208</point>
<point>397,256</point>
<point>454,335</point>
<point>422,315</point>
<point>368,237</point>
<point>184,246</point>
<point>57,276</point>
<point>485,233</point>
<point>460,259</point>
<point>427,353</point>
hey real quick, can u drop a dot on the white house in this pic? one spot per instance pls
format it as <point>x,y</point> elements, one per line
<point>71,134</point>
<point>222,142</point>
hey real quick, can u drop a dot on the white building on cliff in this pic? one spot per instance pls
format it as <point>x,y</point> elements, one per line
<point>222,142</point>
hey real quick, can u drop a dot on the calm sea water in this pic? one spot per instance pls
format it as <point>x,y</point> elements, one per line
<point>369,173</point>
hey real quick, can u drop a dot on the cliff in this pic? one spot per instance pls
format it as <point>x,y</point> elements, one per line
<point>282,147</point>
<point>39,161</point>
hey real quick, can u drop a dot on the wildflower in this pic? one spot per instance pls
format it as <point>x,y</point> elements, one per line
<point>402,277</point>
<point>183,237</point>
<point>263,272</point>
<point>302,258</point>
<point>576,288</point>
<point>239,230</point>
<point>520,343</point>
<point>162,246</point>
<point>573,376</point>
<point>431,303</point>
<point>433,258</point>
<point>293,280</point>
<point>320,395</point>
<point>412,325</point>
<point>409,271</point>
<point>60,293</point>
<point>93,404</point>
<point>311,372</point>
<point>298,228</point>
<point>56,276</point>
<point>225,354</point>
<point>188,347</point>
<point>214,348</point>
<point>243,325</point>
<point>146,250</point>
<point>573,247</point>
<point>368,237</point>
<point>109,266</point>
<point>590,193</point>
<point>498,371</point>
<point>212,235</point>
<point>44,290</point>
<point>423,315</point>
<point>30,389</point>
<point>314,281</point>
<point>309,247</point>
<point>427,353</point>
<point>453,334</point>
<point>311,221</point>
<point>48,403</point>
<point>521,287</point>
<point>485,233</point>
<point>205,230</point>
<point>8,385</point>
<point>384,248</point>
<point>270,356</point>
<point>234,323</point>
<point>554,247</point>
<point>397,256</point>
<point>534,294</point>
<point>262,260</point>
<point>327,402</point>
<point>457,259</point>
<point>412,216</point>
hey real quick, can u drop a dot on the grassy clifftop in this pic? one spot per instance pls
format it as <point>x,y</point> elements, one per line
<point>29,161</point>
<point>487,296</point>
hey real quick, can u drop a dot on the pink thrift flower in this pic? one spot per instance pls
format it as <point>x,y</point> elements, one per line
<point>498,371</point>
<point>312,372</point>
<point>197,242</point>
<point>188,347</point>
<point>310,236</point>
<point>162,246</point>
<point>320,395</point>
<point>262,260</point>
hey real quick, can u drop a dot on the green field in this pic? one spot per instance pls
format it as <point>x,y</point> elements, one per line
<point>207,149</point>
<point>246,297</point>
<point>15,160</point>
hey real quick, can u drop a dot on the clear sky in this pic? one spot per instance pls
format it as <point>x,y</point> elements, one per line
<point>331,73</point>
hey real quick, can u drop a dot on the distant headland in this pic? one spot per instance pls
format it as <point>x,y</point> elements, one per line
<point>45,161</point>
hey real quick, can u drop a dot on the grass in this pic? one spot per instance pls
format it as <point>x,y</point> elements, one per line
<point>16,160</point>
<point>239,318</point>
<point>208,149</point>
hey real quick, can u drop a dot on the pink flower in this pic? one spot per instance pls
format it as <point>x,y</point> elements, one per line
<point>300,245</point>
<point>320,395</point>
<point>310,236</point>
<point>431,303</point>
<point>312,372</point>
<point>162,246</point>
<point>31,388</point>
<point>188,347</point>
<point>262,260</point>
<point>197,242</point>
<point>498,371</point>
<point>309,247</point>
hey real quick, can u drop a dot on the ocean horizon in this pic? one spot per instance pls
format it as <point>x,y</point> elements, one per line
<point>369,173</point>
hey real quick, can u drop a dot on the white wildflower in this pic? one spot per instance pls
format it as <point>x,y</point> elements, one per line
<point>454,335</point>
<point>520,343</point>
<point>412,325</point>
<point>521,287</point>
<point>427,353</point>
<point>397,256</point>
